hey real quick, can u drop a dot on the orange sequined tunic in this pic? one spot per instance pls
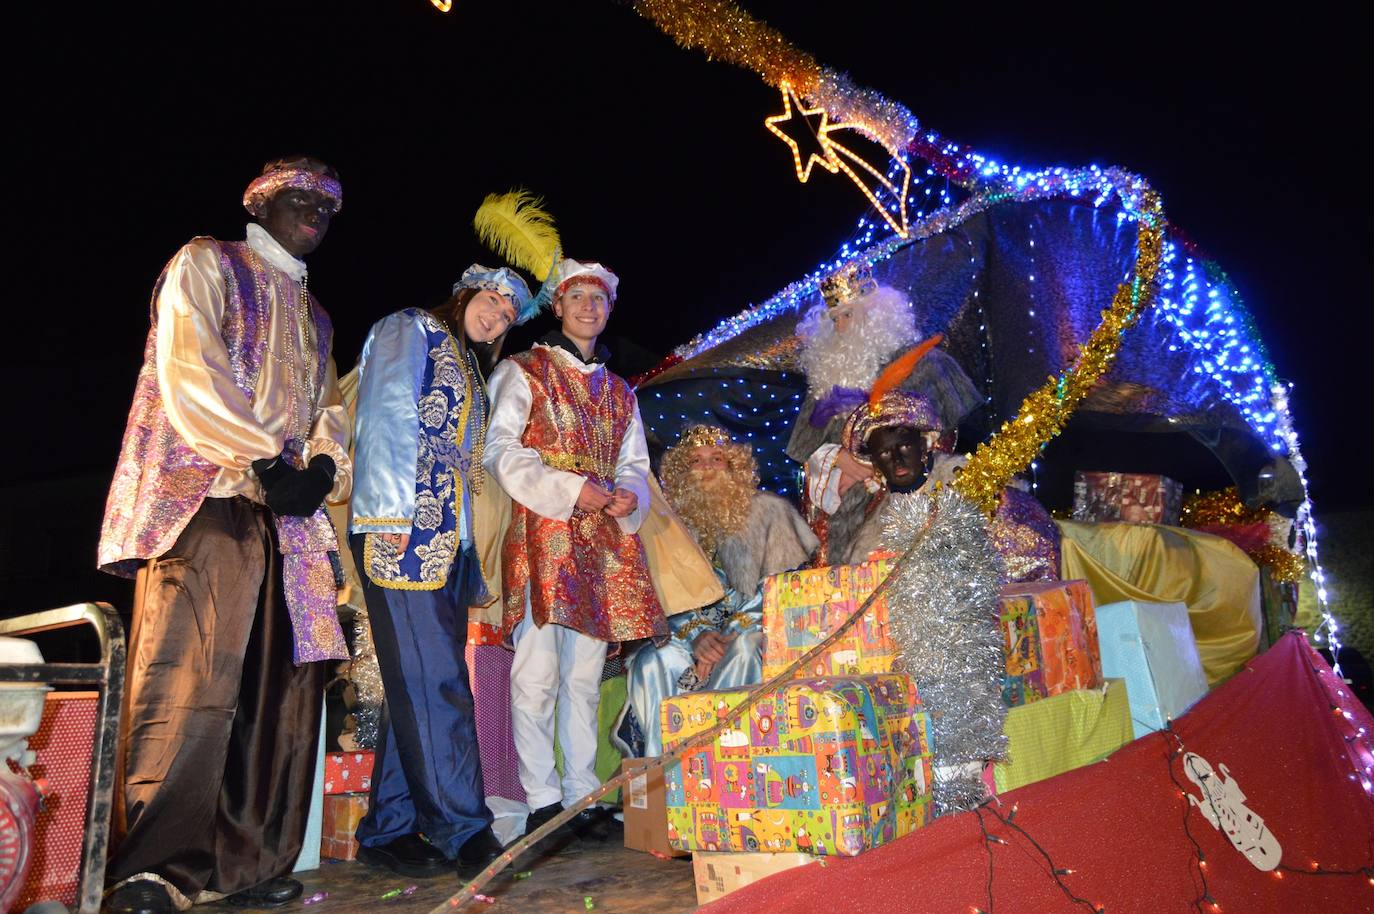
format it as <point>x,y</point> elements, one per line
<point>584,573</point>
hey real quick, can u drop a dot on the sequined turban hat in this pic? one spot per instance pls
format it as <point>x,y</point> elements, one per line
<point>503,281</point>
<point>292,173</point>
<point>895,409</point>
<point>888,407</point>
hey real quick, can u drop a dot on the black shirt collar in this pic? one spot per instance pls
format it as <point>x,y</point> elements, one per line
<point>556,338</point>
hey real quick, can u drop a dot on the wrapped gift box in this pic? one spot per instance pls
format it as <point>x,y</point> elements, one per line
<point>1049,632</point>
<point>483,634</point>
<point>1151,646</point>
<point>1062,733</point>
<point>821,766</point>
<point>348,772</point>
<point>801,608</point>
<point>489,677</point>
<point>342,813</point>
<point>1137,498</point>
<point>719,874</point>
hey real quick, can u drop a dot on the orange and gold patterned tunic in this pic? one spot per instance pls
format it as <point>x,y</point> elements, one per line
<point>585,571</point>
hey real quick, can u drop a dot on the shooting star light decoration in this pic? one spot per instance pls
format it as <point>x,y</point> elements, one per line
<point>835,157</point>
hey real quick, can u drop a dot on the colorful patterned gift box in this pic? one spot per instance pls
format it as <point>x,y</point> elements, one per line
<point>820,766</point>
<point>1049,632</point>
<point>800,608</point>
<point>1137,498</point>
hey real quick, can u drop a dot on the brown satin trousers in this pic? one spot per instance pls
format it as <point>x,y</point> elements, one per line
<point>219,733</point>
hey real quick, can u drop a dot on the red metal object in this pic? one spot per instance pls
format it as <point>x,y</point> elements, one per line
<point>20,799</point>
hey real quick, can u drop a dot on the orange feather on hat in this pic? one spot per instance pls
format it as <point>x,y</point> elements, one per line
<point>901,369</point>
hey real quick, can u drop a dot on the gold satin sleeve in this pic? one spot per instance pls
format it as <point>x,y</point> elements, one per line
<point>200,397</point>
<point>332,433</point>
<point>491,510</point>
<point>199,393</point>
<point>682,575</point>
<point>1154,564</point>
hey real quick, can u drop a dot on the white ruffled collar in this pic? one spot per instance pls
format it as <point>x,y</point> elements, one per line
<point>270,249</point>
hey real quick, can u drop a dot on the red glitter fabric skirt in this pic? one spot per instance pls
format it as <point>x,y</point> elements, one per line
<point>583,573</point>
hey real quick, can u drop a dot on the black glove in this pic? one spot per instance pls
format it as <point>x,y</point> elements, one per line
<point>271,472</point>
<point>296,493</point>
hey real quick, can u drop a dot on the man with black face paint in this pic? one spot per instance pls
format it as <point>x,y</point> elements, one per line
<point>893,433</point>
<point>236,436</point>
<point>898,453</point>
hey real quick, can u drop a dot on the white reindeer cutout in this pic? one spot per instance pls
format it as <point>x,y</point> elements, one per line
<point>1223,805</point>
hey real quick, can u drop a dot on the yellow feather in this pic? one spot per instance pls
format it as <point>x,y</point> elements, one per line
<point>515,228</point>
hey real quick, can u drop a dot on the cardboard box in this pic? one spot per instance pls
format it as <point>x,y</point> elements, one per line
<point>348,772</point>
<point>1136,498</point>
<point>1151,646</point>
<point>342,813</point>
<point>1062,733</point>
<point>801,609</point>
<point>646,811</point>
<point>719,874</point>
<point>821,766</point>
<point>1049,637</point>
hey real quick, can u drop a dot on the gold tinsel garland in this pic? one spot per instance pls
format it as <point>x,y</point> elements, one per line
<point>1225,507</point>
<point>1220,507</point>
<point>1045,411</point>
<point>1285,567</point>
<point>725,31</point>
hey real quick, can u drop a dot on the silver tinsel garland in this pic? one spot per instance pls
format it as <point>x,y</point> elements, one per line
<point>942,612</point>
<point>365,678</point>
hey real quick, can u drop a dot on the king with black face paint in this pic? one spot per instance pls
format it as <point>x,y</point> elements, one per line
<point>236,436</point>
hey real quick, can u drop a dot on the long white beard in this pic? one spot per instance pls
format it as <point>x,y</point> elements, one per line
<point>883,324</point>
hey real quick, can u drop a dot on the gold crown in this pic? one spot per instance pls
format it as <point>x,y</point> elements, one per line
<point>847,284</point>
<point>704,436</point>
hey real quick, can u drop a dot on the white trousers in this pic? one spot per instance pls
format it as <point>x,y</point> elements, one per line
<point>556,676</point>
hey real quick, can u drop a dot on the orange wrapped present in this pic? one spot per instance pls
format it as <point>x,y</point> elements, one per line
<point>1049,631</point>
<point>801,609</point>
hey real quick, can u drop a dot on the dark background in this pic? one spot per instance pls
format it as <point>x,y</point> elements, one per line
<point>138,126</point>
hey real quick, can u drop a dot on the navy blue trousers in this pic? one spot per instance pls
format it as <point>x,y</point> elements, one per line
<point>428,775</point>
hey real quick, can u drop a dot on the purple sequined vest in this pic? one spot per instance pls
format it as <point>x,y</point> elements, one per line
<point>160,482</point>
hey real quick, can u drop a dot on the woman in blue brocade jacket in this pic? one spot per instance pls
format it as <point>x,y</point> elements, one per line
<point>422,411</point>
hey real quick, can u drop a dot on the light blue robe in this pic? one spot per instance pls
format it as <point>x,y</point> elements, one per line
<point>654,673</point>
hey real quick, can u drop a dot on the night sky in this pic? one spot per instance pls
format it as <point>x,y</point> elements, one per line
<point>139,125</point>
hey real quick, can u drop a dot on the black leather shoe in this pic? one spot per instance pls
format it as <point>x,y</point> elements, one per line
<point>408,855</point>
<point>551,843</point>
<point>541,815</point>
<point>478,852</point>
<point>270,894</point>
<point>141,896</point>
<point>590,824</point>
